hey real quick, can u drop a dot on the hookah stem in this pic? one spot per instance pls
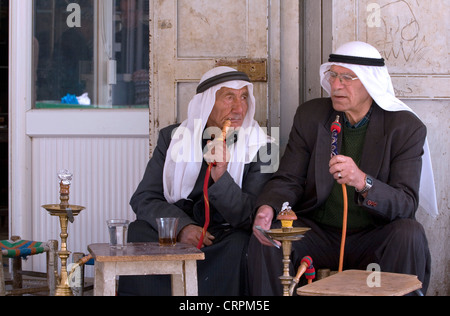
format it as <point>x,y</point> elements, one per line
<point>80,262</point>
<point>226,125</point>
<point>85,259</point>
<point>335,130</point>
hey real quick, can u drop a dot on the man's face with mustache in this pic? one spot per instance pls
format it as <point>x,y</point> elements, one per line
<point>353,98</point>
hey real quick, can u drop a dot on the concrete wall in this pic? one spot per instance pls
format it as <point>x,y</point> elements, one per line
<point>413,38</point>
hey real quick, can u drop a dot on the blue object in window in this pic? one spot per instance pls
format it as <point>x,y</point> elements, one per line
<point>69,99</point>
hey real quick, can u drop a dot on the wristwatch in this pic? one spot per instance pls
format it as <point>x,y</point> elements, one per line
<point>367,186</point>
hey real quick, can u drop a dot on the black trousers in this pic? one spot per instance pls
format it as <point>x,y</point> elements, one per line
<point>222,273</point>
<point>400,247</point>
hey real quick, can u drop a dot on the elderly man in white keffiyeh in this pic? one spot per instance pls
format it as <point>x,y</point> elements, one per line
<point>173,184</point>
<point>383,160</point>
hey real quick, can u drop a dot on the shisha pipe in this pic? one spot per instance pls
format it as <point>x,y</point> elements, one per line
<point>306,266</point>
<point>335,130</point>
<point>222,137</point>
<point>80,263</point>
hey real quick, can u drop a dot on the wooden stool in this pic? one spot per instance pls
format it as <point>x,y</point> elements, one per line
<point>180,261</point>
<point>356,283</point>
<point>17,249</point>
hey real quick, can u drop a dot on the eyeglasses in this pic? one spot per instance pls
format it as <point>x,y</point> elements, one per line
<point>345,79</point>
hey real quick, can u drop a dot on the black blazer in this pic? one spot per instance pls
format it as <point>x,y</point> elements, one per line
<point>392,155</point>
<point>229,203</point>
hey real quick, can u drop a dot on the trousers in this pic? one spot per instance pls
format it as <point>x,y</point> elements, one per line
<point>399,247</point>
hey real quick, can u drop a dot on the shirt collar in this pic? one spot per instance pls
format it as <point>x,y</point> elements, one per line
<point>361,123</point>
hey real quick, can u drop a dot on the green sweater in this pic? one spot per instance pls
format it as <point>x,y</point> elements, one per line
<point>331,213</point>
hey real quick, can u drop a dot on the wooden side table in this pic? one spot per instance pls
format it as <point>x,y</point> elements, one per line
<point>354,283</point>
<point>179,261</point>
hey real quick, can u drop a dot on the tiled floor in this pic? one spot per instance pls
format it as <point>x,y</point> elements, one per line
<point>32,282</point>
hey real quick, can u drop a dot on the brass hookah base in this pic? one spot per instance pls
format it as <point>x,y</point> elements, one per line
<point>286,236</point>
<point>63,288</point>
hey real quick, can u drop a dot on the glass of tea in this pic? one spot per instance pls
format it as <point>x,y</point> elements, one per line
<point>167,231</point>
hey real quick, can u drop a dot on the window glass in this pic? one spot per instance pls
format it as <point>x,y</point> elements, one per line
<point>91,53</point>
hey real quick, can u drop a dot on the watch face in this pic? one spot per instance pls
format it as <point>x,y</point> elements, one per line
<point>369,181</point>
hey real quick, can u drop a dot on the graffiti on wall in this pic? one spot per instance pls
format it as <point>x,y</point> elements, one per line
<point>408,32</point>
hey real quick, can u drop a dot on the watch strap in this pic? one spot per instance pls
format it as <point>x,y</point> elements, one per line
<point>367,186</point>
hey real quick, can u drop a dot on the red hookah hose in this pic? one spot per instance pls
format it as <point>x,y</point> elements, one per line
<point>206,198</point>
<point>225,126</point>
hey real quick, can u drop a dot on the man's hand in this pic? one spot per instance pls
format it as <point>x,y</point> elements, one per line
<point>345,171</point>
<point>191,235</point>
<point>263,218</point>
<point>216,152</point>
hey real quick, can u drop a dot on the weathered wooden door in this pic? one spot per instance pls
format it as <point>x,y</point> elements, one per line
<point>189,37</point>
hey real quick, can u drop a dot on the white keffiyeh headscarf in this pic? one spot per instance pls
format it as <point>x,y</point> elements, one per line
<point>185,154</point>
<point>366,62</point>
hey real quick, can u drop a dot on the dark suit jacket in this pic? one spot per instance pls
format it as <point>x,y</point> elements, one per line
<point>229,204</point>
<point>391,155</point>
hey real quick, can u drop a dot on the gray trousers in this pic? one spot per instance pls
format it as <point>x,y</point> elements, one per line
<point>400,247</point>
<point>222,273</point>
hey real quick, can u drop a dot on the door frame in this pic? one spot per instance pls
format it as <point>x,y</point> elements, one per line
<point>20,100</point>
